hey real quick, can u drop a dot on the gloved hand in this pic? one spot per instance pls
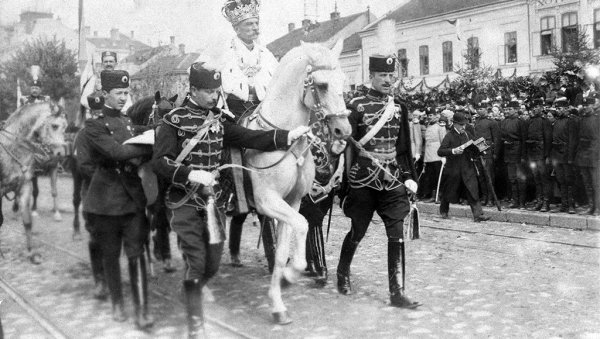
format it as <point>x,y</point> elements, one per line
<point>457,150</point>
<point>201,177</point>
<point>411,185</point>
<point>443,160</point>
<point>417,157</point>
<point>297,133</point>
<point>338,146</point>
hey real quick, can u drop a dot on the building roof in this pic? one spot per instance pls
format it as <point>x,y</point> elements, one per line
<point>352,43</point>
<point>317,32</point>
<point>420,9</point>
<point>168,65</point>
<point>124,42</point>
<point>143,55</point>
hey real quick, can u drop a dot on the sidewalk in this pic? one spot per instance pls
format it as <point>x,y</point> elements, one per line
<point>564,220</point>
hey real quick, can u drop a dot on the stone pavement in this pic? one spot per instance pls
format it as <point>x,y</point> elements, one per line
<point>519,216</point>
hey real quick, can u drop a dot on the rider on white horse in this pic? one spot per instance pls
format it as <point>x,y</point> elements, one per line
<point>187,153</point>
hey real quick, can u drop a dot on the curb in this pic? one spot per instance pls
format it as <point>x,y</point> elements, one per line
<point>561,220</point>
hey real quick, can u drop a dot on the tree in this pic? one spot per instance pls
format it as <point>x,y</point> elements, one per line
<point>58,71</point>
<point>577,54</point>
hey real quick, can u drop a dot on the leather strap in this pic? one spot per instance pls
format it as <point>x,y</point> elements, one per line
<point>389,110</point>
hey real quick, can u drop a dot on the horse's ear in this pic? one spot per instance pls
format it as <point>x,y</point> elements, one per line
<point>174,98</point>
<point>157,97</point>
<point>337,48</point>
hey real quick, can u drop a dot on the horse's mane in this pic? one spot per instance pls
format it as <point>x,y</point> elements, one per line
<point>27,116</point>
<point>140,110</point>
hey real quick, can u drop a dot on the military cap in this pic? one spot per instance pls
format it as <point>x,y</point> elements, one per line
<point>382,63</point>
<point>589,100</point>
<point>561,102</point>
<point>481,104</point>
<point>514,104</point>
<point>35,82</point>
<point>95,101</point>
<point>108,53</point>
<point>537,102</point>
<point>459,118</point>
<point>203,77</point>
<point>112,79</point>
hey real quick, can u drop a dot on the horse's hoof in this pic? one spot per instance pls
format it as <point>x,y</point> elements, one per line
<point>34,214</point>
<point>35,258</point>
<point>57,217</point>
<point>77,236</point>
<point>282,318</point>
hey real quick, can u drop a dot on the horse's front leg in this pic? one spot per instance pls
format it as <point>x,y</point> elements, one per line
<point>54,191</point>
<point>25,202</point>
<point>77,183</point>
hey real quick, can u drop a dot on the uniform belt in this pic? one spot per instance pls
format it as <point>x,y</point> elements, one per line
<point>558,143</point>
<point>534,141</point>
<point>379,156</point>
<point>512,142</point>
<point>119,166</point>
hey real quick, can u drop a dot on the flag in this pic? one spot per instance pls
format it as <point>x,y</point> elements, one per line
<point>18,93</point>
<point>456,24</point>
<point>82,39</point>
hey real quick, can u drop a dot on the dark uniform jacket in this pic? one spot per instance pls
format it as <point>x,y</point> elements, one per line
<point>488,129</point>
<point>538,139</point>
<point>563,139</point>
<point>115,188</point>
<point>85,163</point>
<point>390,146</point>
<point>180,126</point>
<point>34,100</point>
<point>459,168</point>
<point>512,135</point>
<point>587,143</point>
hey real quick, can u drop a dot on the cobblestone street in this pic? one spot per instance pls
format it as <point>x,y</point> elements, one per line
<point>475,280</point>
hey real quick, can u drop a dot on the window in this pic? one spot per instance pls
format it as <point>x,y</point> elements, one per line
<point>447,56</point>
<point>569,31</point>
<point>424,59</point>
<point>597,28</point>
<point>403,62</point>
<point>473,53</point>
<point>547,26</point>
<point>510,47</point>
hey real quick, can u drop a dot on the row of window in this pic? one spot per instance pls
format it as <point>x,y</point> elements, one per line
<point>473,55</point>
<point>569,31</point>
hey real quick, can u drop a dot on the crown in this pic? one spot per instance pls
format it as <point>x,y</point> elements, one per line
<point>236,11</point>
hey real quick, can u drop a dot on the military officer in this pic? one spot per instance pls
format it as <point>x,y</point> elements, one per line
<point>488,129</point>
<point>246,75</point>
<point>587,146</point>
<point>512,135</point>
<point>35,93</point>
<point>381,174</point>
<point>538,143</point>
<point>187,167</point>
<point>115,200</point>
<point>562,155</point>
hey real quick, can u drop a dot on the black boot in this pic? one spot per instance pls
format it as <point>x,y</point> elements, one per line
<point>318,254</point>
<point>564,199</point>
<point>396,276</point>
<point>571,199</point>
<point>310,265</point>
<point>100,289</point>
<point>539,203</point>
<point>268,239</point>
<point>193,305</point>
<point>112,273</point>
<point>514,195</point>
<point>343,269</point>
<point>589,191</point>
<point>546,206</point>
<point>139,289</point>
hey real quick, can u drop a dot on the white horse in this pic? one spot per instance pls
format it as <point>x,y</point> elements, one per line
<point>307,88</point>
<point>32,133</point>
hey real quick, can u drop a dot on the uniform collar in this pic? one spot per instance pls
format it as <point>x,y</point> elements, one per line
<point>195,107</point>
<point>111,112</point>
<point>376,94</point>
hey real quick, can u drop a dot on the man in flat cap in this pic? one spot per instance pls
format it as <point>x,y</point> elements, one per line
<point>115,201</point>
<point>188,154</point>
<point>247,72</point>
<point>512,136</point>
<point>380,175</point>
<point>587,148</point>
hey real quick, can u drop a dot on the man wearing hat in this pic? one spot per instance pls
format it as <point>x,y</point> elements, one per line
<point>192,172</point>
<point>459,177</point>
<point>115,200</point>
<point>488,129</point>
<point>91,96</point>
<point>538,144</point>
<point>587,148</point>
<point>35,93</point>
<point>380,175</point>
<point>562,154</point>
<point>512,136</point>
<point>248,69</point>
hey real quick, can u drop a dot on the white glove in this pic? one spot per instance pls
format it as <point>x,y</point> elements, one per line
<point>444,160</point>
<point>338,146</point>
<point>411,185</point>
<point>457,150</point>
<point>417,157</point>
<point>201,177</point>
<point>297,133</point>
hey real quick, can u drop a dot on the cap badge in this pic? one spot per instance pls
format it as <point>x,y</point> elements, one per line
<point>389,61</point>
<point>217,76</point>
<point>124,79</point>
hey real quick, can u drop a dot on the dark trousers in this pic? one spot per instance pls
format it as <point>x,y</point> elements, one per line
<point>473,202</point>
<point>429,180</point>
<point>201,259</point>
<point>391,205</point>
<point>591,181</point>
<point>487,165</point>
<point>160,223</point>
<point>541,178</point>
<point>517,179</point>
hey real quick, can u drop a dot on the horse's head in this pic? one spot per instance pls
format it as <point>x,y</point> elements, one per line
<point>49,128</point>
<point>150,110</point>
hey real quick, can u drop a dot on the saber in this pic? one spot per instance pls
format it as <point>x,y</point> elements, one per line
<point>330,212</point>
<point>437,191</point>
<point>490,185</point>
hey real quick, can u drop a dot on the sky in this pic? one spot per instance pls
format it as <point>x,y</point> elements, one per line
<point>196,23</point>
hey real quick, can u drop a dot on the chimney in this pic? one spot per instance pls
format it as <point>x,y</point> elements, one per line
<point>132,35</point>
<point>87,30</point>
<point>95,34</point>
<point>291,26</point>
<point>306,24</point>
<point>335,15</point>
<point>172,37</point>
<point>114,34</point>
<point>182,49</point>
